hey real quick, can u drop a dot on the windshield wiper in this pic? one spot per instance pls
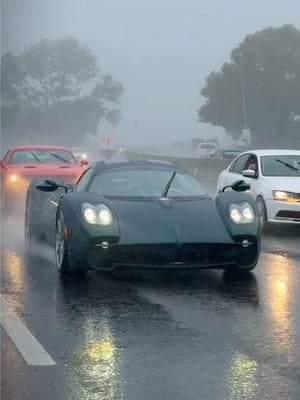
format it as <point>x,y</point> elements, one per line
<point>166,189</point>
<point>35,156</point>
<point>60,158</point>
<point>287,164</point>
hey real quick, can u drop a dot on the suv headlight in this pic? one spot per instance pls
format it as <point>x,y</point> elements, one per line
<point>99,214</point>
<point>241,214</point>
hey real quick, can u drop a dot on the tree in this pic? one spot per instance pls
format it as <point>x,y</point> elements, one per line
<point>269,62</point>
<point>54,91</point>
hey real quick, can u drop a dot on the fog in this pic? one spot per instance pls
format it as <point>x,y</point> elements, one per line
<point>161,51</point>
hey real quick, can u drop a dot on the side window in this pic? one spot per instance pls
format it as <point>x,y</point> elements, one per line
<point>83,180</point>
<point>252,163</point>
<point>239,165</point>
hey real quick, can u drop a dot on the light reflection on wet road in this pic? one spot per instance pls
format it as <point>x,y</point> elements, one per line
<point>207,335</point>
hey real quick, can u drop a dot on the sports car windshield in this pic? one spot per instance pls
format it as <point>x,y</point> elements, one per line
<point>281,165</point>
<point>145,183</point>
<point>42,156</point>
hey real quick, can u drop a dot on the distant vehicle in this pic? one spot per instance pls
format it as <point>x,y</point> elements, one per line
<point>274,176</point>
<point>230,154</point>
<point>81,155</point>
<point>194,143</point>
<point>207,150</point>
<point>21,164</point>
<point>143,214</point>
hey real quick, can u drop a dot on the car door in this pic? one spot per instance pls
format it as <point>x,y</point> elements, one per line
<point>234,173</point>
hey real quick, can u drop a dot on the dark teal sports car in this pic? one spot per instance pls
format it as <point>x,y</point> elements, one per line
<point>143,214</point>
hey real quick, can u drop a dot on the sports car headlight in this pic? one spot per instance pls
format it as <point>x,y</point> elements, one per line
<point>99,214</point>
<point>286,196</point>
<point>241,214</point>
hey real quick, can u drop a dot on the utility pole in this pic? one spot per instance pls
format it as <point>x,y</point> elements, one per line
<point>243,93</point>
<point>246,134</point>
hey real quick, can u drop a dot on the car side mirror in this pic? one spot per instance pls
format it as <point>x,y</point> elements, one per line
<point>249,173</point>
<point>240,186</point>
<point>50,186</point>
<point>84,162</point>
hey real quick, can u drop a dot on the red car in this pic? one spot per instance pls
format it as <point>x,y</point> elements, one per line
<point>21,164</point>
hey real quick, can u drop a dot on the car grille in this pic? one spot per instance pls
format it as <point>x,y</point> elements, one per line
<point>173,255</point>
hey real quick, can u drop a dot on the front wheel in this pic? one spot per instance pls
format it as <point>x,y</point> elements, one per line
<point>262,212</point>
<point>61,251</point>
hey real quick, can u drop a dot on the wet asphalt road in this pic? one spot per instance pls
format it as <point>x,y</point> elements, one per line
<point>205,335</point>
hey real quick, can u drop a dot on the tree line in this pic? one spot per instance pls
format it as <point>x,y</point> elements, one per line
<point>55,91</point>
<point>265,70</point>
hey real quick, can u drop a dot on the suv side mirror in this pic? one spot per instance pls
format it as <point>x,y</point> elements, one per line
<point>249,173</point>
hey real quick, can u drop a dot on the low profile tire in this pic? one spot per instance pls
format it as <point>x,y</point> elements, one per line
<point>245,270</point>
<point>262,212</point>
<point>61,251</point>
<point>62,261</point>
<point>240,271</point>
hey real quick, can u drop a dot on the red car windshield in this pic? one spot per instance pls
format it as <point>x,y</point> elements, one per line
<point>43,156</point>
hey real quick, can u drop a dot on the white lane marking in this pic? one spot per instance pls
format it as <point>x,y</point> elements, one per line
<point>53,202</point>
<point>26,343</point>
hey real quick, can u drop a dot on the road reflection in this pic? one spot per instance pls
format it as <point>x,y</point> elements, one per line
<point>280,289</point>
<point>241,380</point>
<point>93,365</point>
<point>15,279</point>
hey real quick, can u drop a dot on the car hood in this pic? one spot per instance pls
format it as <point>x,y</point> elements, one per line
<point>285,183</point>
<point>169,220</point>
<point>44,169</point>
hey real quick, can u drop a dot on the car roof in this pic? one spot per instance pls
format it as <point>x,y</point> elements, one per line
<point>40,147</point>
<point>102,165</point>
<point>271,152</point>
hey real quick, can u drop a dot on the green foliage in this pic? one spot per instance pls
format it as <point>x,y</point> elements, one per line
<point>271,65</point>
<point>55,90</point>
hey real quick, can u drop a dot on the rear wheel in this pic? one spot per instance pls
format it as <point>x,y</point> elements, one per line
<point>33,233</point>
<point>30,237</point>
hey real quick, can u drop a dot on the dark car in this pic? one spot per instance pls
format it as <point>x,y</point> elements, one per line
<point>143,214</point>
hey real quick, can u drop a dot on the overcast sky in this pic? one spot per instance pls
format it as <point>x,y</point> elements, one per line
<point>160,50</point>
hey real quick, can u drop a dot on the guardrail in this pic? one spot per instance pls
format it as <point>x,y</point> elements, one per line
<point>205,170</point>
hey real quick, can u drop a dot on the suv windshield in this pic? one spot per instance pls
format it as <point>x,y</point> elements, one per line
<point>281,165</point>
<point>145,183</point>
<point>42,156</point>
